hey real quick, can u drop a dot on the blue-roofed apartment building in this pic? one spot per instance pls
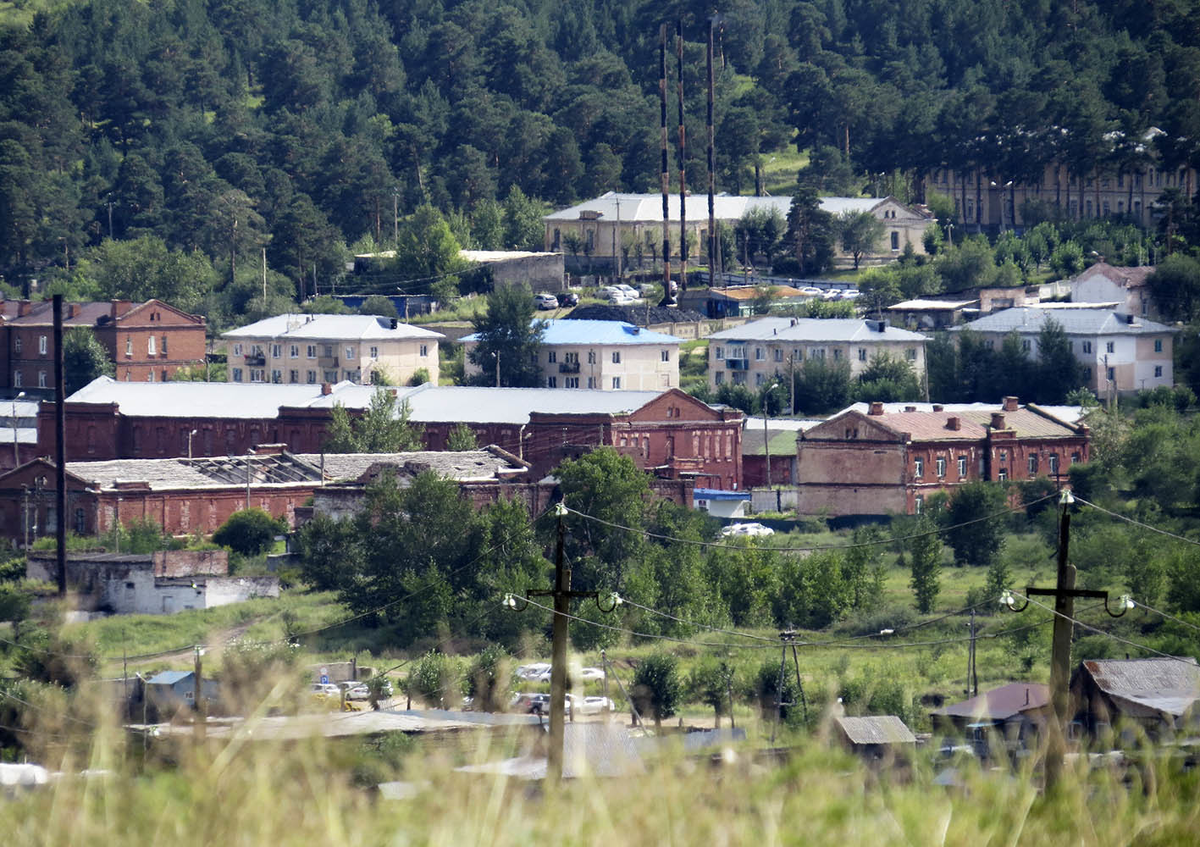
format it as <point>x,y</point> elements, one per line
<point>1119,352</point>
<point>602,355</point>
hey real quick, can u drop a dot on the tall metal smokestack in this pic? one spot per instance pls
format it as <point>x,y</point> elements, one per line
<point>712,183</point>
<point>683,245</point>
<point>665,174</point>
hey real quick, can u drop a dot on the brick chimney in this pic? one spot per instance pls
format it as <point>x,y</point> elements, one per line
<point>120,307</point>
<point>876,407</point>
<point>997,420</point>
<point>71,309</point>
<point>24,307</point>
<point>326,389</point>
<point>1010,403</point>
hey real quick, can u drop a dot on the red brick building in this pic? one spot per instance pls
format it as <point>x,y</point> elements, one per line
<point>670,434</point>
<point>147,342</point>
<point>890,462</point>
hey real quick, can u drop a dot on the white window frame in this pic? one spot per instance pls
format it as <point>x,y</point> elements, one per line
<point>616,383</point>
<point>349,353</point>
<point>151,346</point>
<point>311,351</point>
<point>42,344</point>
<point>424,349</point>
<point>374,352</point>
<point>616,357</point>
<point>294,351</point>
<point>918,468</point>
<point>941,467</point>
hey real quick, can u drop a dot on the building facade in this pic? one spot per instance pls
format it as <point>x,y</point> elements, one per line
<point>1120,353</point>
<point>754,353</point>
<point>314,349</point>
<point>629,226</point>
<point>601,355</point>
<point>147,342</point>
<point>883,462</point>
<point>1103,283</point>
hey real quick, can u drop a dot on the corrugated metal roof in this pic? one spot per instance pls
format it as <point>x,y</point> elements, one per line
<point>879,729</point>
<point>600,333</point>
<point>1000,704</point>
<point>1169,685</point>
<point>461,465</point>
<point>1029,320</point>
<point>782,443</point>
<point>974,424</point>
<point>331,327</point>
<point>168,677</point>
<point>1066,414</point>
<point>803,330</point>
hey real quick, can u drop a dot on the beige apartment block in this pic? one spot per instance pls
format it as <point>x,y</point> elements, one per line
<point>314,349</point>
<point>1120,353</point>
<point>602,356</point>
<point>752,354</point>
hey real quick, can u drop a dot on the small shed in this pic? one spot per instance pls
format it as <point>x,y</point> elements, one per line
<point>170,691</point>
<point>1158,694</point>
<point>877,736</point>
<point>1016,712</point>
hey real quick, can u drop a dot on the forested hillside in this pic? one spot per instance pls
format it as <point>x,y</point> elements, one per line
<point>223,126</point>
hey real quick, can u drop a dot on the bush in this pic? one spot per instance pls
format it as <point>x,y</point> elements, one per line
<point>490,679</point>
<point>249,532</point>
<point>657,688</point>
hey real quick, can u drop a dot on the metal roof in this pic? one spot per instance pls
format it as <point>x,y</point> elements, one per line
<point>1000,704</point>
<point>1030,320</point>
<point>974,424</point>
<point>599,333</point>
<point>173,474</point>
<point>782,443</point>
<point>1066,414</point>
<point>459,465</point>
<point>477,404</point>
<point>802,330</point>
<point>647,208</point>
<point>196,399</point>
<point>168,677</point>
<point>1158,685</point>
<point>880,729</point>
<point>920,305</point>
<point>1124,277</point>
<point>331,327</point>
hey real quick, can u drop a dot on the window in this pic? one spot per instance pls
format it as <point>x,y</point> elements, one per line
<point>128,346</point>
<point>616,357</point>
<point>571,358</point>
<point>163,346</point>
<point>616,383</point>
<point>311,351</point>
<point>837,354</point>
<point>1026,345</point>
<point>591,382</point>
<point>918,503</point>
<point>759,379</point>
<point>1158,371</point>
<point>1087,347</point>
<point>294,351</point>
<point>1074,458</point>
<point>276,351</point>
<point>552,382</point>
<point>349,352</point>
<point>862,354</point>
<point>237,374</point>
<point>1158,345</point>
<point>330,376</point>
<point>293,377</point>
<point>592,356</point>
<point>911,354</point>
<point>1110,347</point>
<point>816,353</point>
<point>719,378</point>
<point>42,379</point>
<point>312,377</point>
<point>941,466</point>
<point>1087,374</point>
<point>719,353</point>
<point>778,355</point>
<point>665,355</point>
<point>17,345</point>
<point>17,379</point>
<point>1002,475</point>
<point>276,376</point>
<point>374,352</point>
<point>1112,374</point>
<point>328,351</point>
<point>151,345</point>
<point>551,357</point>
<point>42,344</point>
<point>1053,463</point>
<point>571,382</point>
<point>1032,461</point>
<point>895,240</point>
<point>962,467</point>
<point>424,349</point>
<point>758,354</point>
<point>918,468</point>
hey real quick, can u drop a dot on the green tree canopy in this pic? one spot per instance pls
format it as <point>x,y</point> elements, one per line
<point>84,359</point>
<point>509,339</point>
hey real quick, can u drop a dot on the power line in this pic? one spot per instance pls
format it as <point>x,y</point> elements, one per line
<point>816,547</point>
<point>1137,522</point>
<point>627,602</point>
<point>1168,616</point>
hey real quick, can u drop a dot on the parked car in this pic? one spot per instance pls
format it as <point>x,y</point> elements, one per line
<point>546,301</point>
<point>326,689</point>
<point>535,704</point>
<point>358,692</point>
<point>851,293</point>
<point>628,289</point>
<point>831,294</point>
<point>590,674</point>
<point>589,705</point>
<point>568,298</point>
<point>811,291</point>
<point>533,670</point>
<point>752,530</point>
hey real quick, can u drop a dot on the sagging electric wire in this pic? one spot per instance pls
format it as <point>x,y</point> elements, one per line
<point>1138,523</point>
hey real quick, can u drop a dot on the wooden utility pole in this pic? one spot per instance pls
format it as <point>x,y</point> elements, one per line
<point>683,245</point>
<point>200,719</point>
<point>665,172</point>
<point>60,447</point>
<point>713,243</point>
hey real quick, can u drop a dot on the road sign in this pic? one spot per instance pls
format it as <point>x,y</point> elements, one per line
<point>324,676</point>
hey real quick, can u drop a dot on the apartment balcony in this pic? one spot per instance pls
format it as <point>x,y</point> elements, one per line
<point>327,361</point>
<point>737,364</point>
<point>255,361</point>
<point>568,368</point>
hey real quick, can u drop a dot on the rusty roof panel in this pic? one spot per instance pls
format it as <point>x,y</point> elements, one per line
<point>1000,704</point>
<point>1166,685</point>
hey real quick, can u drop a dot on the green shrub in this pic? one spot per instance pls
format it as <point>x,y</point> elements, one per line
<point>249,532</point>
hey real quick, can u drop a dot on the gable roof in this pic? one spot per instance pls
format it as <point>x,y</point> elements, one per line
<point>974,424</point>
<point>196,399</point>
<point>600,333</point>
<point>1144,687</point>
<point>1124,277</point>
<point>815,329</point>
<point>169,677</point>
<point>86,314</point>
<point>330,327</point>
<point>1000,704</point>
<point>1028,320</point>
<point>879,729</point>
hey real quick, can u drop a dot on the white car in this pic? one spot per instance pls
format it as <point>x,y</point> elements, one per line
<point>628,289</point>
<point>589,705</point>
<point>752,530</point>
<point>590,674</point>
<point>831,294</point>
<point>811,291</point>
<point>358,692</point>
<point>326,689</point>
<point>533,671</point>
<point>851,293</point>
<point>546,301</point>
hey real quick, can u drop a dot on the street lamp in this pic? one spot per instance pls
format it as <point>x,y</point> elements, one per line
<point>766,432</point>
<point>190,434</point>
<point>16,446</point>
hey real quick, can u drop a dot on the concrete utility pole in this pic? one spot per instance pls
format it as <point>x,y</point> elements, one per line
<point>683,245</point>
<point>665,173</point>
<point>60,445</point>
<point>16,446</point>
<point>200,719</point>
<point>713,242</point>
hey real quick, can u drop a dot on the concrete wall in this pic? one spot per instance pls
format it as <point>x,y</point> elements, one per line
<point>541,272</point>
<point>399,359</point>
<point>765,358</point>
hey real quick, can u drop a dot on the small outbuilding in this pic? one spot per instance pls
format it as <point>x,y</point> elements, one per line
<point>877,737</point>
